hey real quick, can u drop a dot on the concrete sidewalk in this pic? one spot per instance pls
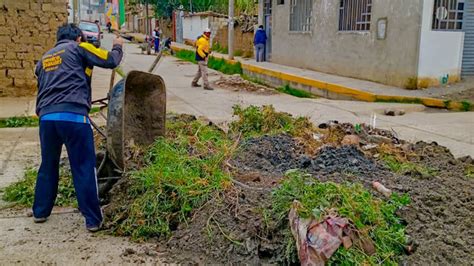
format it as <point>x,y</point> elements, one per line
<point>342,88</point>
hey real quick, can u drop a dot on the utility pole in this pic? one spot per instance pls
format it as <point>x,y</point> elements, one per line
<point>147,29</point>
<point>89,11</point>
<point>79,10</point>
<point>231,30</point>
<point>74,11</point>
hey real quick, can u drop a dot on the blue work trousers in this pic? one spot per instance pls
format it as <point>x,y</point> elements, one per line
<point>260,52</point>
<point>157,45</point>
<point>79,142</point>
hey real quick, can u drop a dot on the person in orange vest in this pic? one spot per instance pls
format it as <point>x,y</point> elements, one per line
<point>203,51</point>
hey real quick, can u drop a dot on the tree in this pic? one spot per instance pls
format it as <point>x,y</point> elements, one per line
<point>165,8</point>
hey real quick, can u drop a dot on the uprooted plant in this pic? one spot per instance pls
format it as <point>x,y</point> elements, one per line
<point>182,172</point>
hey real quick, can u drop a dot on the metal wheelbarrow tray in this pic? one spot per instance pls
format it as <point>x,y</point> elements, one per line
<point>135,118</point>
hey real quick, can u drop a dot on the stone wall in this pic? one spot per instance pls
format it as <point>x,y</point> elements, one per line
<point>27,30</point>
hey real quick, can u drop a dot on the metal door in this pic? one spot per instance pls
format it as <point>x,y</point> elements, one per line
<point>468,27</point>
<point>267,13</point>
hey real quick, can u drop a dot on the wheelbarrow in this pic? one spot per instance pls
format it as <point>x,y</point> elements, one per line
<point>136,114</point>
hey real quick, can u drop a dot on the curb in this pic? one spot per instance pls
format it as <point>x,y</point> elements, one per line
<point>347,91</point>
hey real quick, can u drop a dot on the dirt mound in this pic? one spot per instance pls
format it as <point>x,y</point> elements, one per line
<point>268,154</point>
<point>237,83</point>
<point>237,225</point>
<point>229,229</point>
<point>439,216</point>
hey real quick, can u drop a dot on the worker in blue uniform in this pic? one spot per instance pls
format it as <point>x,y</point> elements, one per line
<point>64,100</point>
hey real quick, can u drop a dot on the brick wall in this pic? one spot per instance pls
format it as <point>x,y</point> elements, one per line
<point>27,30</point>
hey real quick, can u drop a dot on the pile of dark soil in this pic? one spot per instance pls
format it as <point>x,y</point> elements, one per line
<point>345,159</point>
<point>268,154</point>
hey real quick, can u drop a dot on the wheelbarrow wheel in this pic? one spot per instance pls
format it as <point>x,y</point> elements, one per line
<point>107,175</point>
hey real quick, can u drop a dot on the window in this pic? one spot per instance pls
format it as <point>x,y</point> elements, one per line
<point>280,2</point>
<point>355,15</point>
<point>448,14</point>
<point>301,12</point>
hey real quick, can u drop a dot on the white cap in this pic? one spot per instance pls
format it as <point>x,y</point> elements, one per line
<point>207,30</point>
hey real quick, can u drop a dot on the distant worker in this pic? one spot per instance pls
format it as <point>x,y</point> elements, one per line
<point>156,39</point>
<point>260,40</point>
<point>202,55</point>
<point>63,103</point>
<point>109,27</point>
<point>167,45</point>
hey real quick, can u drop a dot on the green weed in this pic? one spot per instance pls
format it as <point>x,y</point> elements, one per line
<point>295,92</point>
<point>447,103</point>
<point>469,172</point>
<point>256,121</point>
<point>223,66</point>
<point>19,121</point>
<point>403,100</point>
<point>186,55</point>
<point>466,106</point>
<point>183,171</point>
<point>238,53</point>
<point>216,47</point>
<point>22,192</point>
<point>374,218</point>
<point>94,110</point>
<point>402,167</point>
<point>219,64</point>
<point>29,121</point>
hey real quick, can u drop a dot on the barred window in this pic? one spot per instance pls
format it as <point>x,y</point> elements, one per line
<point>301,12</point>
<point>355,15</point>
<point>448,15</point>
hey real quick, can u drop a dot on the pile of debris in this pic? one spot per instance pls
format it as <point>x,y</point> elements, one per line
<point>238,224</point>
<point>237,83</point>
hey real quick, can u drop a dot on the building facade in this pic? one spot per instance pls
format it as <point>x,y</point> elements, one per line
<point>405,43</point>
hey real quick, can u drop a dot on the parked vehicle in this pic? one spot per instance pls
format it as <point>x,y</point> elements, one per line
<point>92,32</point>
